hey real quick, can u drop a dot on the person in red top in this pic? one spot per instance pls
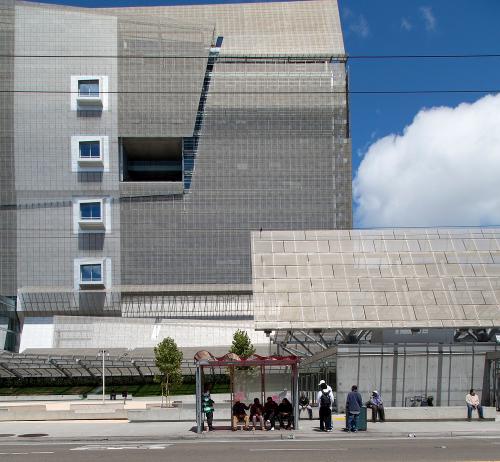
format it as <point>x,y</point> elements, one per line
<point>256,413</point>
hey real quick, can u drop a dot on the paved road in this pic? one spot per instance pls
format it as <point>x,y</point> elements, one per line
<point>354,448</point>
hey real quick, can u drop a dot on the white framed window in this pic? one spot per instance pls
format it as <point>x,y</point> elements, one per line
<point>92,273</point>
<point>92,215</point>
<point>89,93</point>
<point>89,153</point>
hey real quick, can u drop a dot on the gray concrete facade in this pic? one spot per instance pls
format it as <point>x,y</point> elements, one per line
<point>255,92</point>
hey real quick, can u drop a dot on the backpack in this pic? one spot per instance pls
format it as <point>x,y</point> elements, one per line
<point>325,400</point>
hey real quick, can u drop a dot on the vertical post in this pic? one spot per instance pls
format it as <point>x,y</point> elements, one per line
<point>262,384</point>
<point>199,421</point>
<point>295,377</point>
<point>103,377</point>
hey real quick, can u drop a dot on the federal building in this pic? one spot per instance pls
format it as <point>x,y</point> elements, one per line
<point>185,171</point>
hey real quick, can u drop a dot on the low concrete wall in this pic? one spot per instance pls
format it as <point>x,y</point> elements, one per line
<point>444,413</point>
<point>42,415</point>
<point>106,397</point>
<point>10,398</point>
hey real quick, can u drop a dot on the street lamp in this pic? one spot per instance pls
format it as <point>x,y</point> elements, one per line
<point>103,353</point>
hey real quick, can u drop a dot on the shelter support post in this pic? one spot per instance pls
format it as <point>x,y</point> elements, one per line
<point>199,419</point>
<point>295,396</point>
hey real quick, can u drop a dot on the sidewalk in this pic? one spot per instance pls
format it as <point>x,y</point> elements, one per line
<point>178,431</point>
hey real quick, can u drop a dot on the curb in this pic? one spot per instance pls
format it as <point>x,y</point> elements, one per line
<point>218,437</point>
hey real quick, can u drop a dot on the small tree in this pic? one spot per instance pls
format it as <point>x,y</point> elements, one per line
<point>168,360</point>
<point>242,346</point>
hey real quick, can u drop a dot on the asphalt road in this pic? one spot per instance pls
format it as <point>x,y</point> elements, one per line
<point>389,449</point>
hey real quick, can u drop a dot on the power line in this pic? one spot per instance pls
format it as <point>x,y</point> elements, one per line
<point>352,92</point>
<point>277,56</point>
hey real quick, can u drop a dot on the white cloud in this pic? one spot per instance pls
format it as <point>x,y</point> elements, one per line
<point>443,170</point>
<point>406,24</point>
<point>360,27</point>
<point>428,17</point>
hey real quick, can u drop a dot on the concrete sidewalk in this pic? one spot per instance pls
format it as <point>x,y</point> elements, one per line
<point>176,431</point>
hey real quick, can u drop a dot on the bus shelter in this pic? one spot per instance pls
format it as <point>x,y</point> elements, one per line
<point>249,378</point>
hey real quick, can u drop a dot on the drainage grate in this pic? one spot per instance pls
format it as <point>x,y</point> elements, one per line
<point>32,435</point>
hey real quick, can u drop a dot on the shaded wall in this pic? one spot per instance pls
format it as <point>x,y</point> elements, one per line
<point>399,372</point>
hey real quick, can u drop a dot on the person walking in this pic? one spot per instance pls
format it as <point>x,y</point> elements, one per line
<point>325,402</point>
<point>473,403</point>
<point>353,405</point>
<point>377,405</point>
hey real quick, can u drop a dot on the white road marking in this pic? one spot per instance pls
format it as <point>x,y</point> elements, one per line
<point>120,447</point>
<point>298,449</point>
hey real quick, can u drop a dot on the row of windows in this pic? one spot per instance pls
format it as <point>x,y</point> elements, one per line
<point>89,93</point>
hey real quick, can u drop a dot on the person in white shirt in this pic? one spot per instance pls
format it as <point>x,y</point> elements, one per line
<point>325,400</point>
<point>472,401</point>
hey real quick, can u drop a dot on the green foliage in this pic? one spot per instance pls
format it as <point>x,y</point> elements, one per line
<point>168,359</point>
<point>242,346</point>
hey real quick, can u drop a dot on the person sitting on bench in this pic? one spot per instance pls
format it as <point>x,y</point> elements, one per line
<point>256,411</point>
<point>285,412</point>
<point>270,411</point>
<point>472,401</point>
<point>239,414</point>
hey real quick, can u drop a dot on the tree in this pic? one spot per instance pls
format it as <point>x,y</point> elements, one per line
<point>242,346</point>
<point>168,360</point>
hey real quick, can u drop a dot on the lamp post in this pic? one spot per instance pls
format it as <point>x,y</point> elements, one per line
<point>103,352</point>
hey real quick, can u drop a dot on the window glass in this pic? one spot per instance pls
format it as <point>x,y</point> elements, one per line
<point>91,273</point>
<point>90,150</point>
<point>88,87</point>
<point>90,211</point>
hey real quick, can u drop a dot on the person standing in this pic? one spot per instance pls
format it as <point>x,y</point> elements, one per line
<point>353,405</point>
<point>472,401</point>
<point>377,405</point>
<point>207,405</point>
<point>325,402</point>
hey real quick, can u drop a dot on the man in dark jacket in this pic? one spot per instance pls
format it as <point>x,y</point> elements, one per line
<point>353,406</point>
<point>270,411</point>
<point>239,413</point>
<point>285,412</point>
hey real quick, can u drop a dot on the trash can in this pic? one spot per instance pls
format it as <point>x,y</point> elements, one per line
<point>362,419</point>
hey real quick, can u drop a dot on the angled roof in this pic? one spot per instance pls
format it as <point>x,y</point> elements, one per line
<point>366,279</point>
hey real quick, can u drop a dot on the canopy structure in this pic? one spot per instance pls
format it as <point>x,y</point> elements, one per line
<point>252,377</point>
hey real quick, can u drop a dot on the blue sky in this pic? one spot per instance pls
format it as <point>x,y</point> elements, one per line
<point>406,27</point>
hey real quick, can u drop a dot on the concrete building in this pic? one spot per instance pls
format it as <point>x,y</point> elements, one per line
<point>139,148</point>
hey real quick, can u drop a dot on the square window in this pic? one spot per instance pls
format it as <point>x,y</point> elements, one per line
<point>88,87</point>
<point>90,211</point>
<point>90,150</point>
<point>91,273</point>
<point>90,215</point>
